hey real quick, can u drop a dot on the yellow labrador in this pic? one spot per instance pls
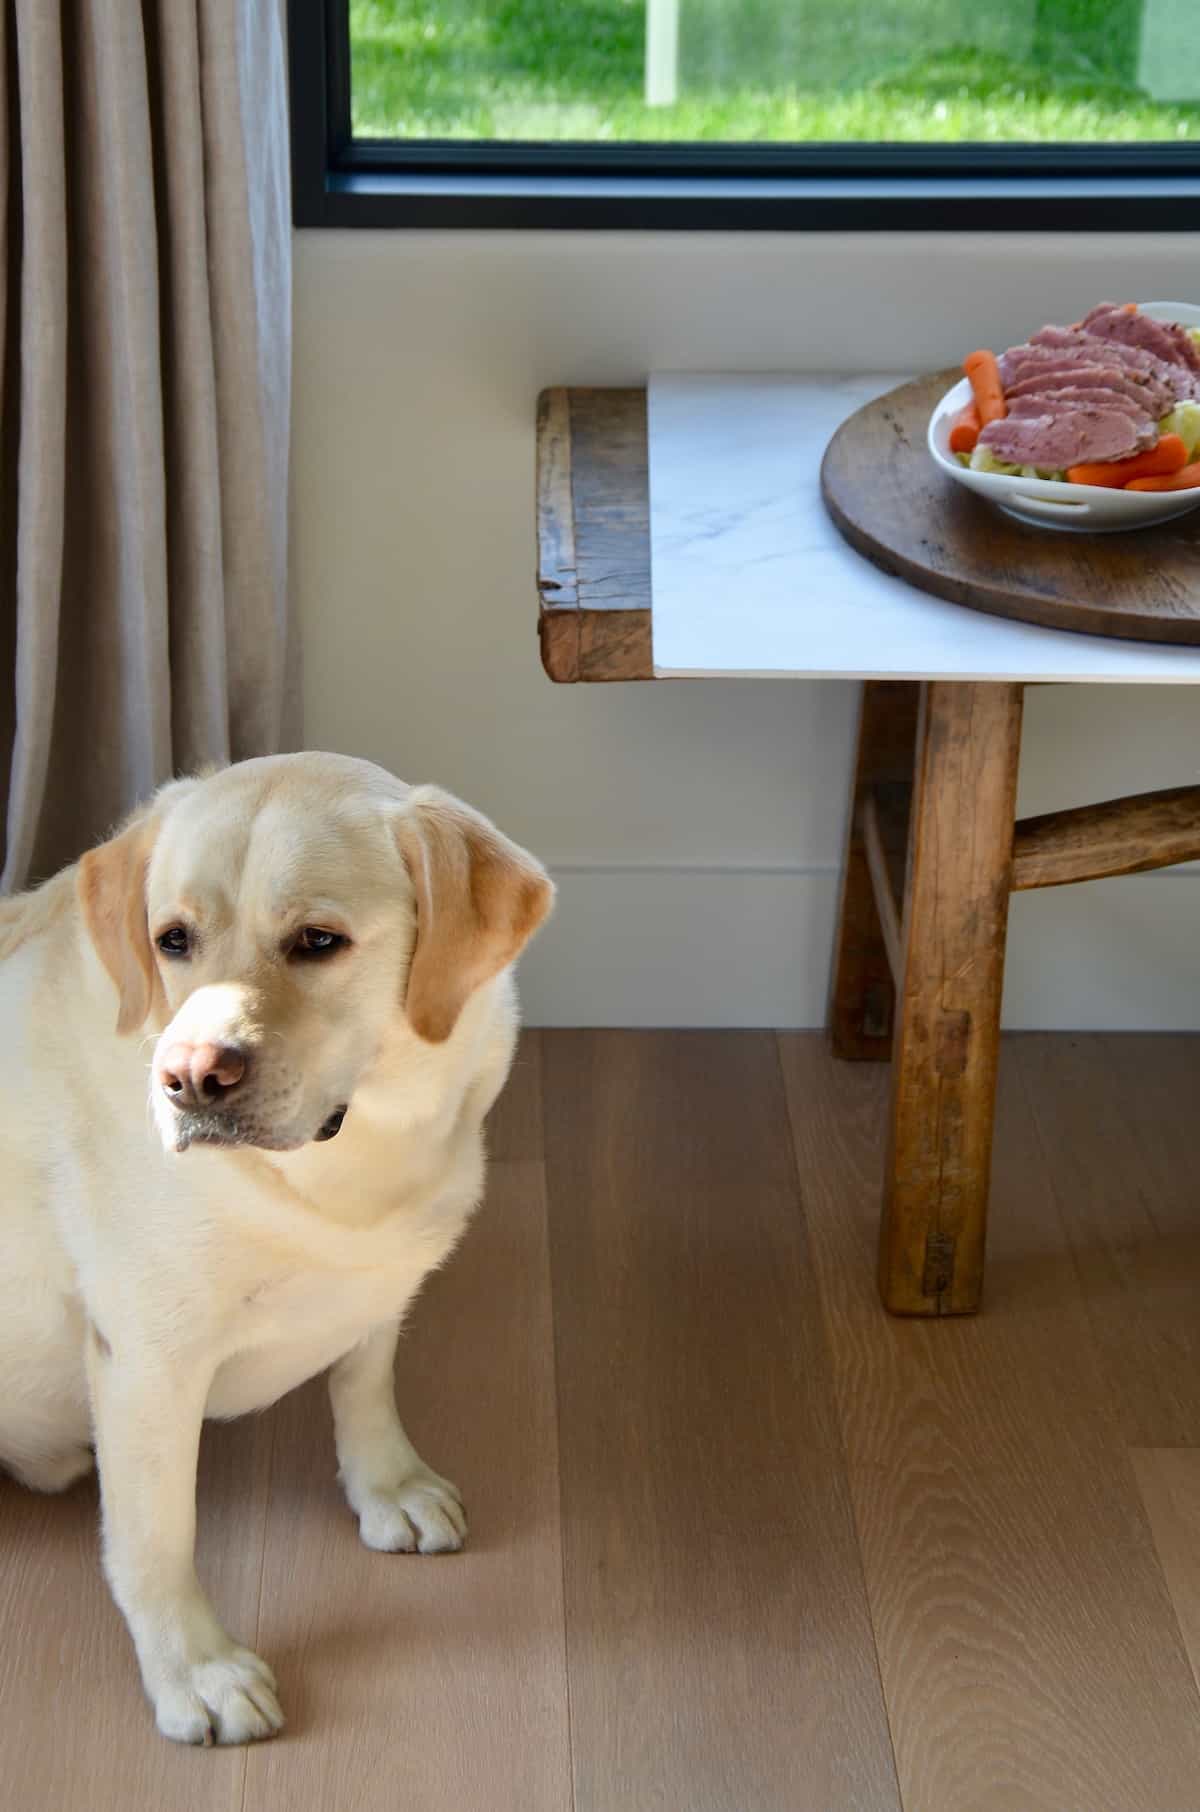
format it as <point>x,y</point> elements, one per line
<point>252,1041</point>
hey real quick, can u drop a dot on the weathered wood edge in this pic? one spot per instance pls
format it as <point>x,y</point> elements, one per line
<point>578,643</point>
<point>1119,837</point>
<point>558,597</point>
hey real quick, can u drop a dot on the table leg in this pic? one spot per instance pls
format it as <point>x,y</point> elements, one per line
<point>948,1029</point>
<point>862,997</point>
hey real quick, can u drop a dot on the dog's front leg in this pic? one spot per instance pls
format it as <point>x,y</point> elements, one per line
<point>401,1505</point>
<point>147,1414</point>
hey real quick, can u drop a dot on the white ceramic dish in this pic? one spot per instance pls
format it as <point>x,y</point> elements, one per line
<point>1047,502</point>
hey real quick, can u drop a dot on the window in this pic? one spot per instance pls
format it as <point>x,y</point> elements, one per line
<point>1053,114</point>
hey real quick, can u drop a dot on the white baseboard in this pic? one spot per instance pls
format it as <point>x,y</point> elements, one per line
<point>670,946</point>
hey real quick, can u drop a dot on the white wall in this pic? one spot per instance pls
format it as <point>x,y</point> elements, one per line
<point>695,828</point>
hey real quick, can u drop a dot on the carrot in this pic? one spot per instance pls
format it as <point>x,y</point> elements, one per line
<point>964,430</point>
<point>1168,456</point>
<point>1186,479</point>
<point>988,391</point>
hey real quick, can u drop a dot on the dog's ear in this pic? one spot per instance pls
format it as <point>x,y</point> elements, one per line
<point>479,901</point>
<point>112,894</point>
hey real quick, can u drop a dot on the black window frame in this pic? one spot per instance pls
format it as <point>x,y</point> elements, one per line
<point>340,181</point>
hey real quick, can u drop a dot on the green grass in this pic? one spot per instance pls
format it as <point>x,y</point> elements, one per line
<point>901,70</point>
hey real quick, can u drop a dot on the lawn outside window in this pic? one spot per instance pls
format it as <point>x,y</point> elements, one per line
<point>1042,114</point>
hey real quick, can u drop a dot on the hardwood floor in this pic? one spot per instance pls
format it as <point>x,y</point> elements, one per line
<point>718,1635</point>
<point>740,1543</point>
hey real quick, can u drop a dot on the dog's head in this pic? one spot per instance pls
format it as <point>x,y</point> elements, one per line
<point>274,922</point>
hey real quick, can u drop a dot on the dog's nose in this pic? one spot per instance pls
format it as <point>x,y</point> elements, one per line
<point>200,1075</point>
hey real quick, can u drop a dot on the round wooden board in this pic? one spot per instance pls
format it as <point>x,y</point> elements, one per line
<point>892,504</point>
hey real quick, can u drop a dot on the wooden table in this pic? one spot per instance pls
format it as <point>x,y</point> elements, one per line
<point>934,849</point>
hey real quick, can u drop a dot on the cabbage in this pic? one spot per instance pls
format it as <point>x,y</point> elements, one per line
<point>1184,420</point>
<point>984,460</point>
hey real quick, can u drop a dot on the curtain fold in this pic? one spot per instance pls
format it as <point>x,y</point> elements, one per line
<point>145,323</point>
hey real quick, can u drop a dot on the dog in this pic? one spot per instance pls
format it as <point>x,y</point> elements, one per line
<point>320,958</point>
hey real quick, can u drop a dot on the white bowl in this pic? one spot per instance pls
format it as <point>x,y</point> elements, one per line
<point>1048,502</point>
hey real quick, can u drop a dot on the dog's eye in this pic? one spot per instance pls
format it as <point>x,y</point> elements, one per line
<point>174,942</point>
<point>312,941</point>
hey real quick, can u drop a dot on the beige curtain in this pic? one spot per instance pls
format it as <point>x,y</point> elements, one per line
<point>144,403</point>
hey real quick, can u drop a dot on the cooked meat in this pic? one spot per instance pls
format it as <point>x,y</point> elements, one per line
<point>1019,360</point>
<point>1083,354</point>
<point>1101,308</point>
<point>1162,339</point>
<point>1073,339</point>
<point>1147,394</point>
<point>1178,379</point>
<point>1054,402</point>
<point>1068,437</point>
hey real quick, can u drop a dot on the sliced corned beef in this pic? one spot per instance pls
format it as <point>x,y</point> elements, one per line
<point>1102,308</point>
<point>1081,353</point>
<point>1017,359</point>
<point>1054,402</point>
<point>1162,340</point>
<point>1146,393</point>
<point>1069,437</point>
<point>1179,380</point>
<point>1075,339</point>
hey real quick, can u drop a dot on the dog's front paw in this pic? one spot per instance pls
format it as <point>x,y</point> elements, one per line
<point>423,1514</point>
<point>227,1698</point>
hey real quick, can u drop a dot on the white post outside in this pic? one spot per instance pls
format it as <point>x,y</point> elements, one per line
<point>662,52</point>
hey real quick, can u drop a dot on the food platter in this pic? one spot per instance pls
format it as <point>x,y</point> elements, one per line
<point>1048,503</point>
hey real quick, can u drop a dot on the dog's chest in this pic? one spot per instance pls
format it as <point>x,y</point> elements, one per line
<point>305,1287</point>
<point>288,1328</point>
<point>294,1320</point>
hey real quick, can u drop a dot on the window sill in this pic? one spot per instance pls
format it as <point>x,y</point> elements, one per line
<point>613,202</point>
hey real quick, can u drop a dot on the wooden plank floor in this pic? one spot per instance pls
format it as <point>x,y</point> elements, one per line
<point>739,1542</point>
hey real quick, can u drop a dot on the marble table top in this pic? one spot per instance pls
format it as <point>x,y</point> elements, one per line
<point>749,575</point>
